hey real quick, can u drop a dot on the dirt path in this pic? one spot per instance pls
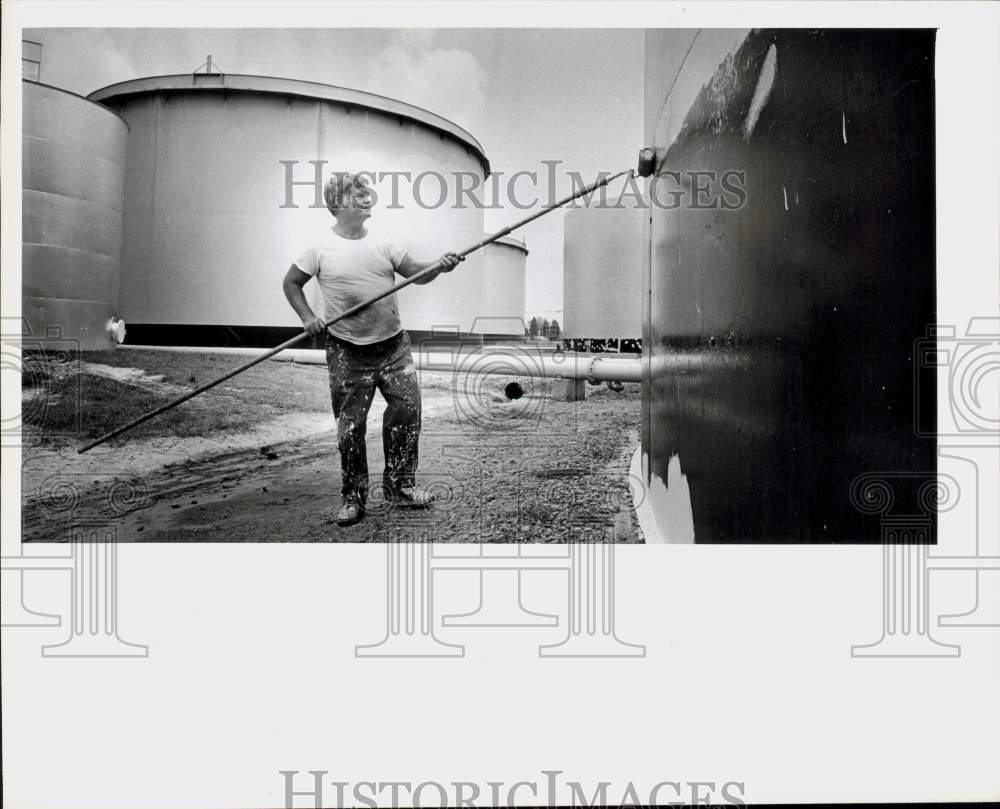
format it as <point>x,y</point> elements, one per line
<point>536,470</point>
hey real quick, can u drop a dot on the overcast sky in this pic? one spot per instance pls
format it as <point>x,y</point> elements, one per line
<point>527,95</point>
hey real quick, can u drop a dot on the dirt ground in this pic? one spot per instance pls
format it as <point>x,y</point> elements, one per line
<point>538,469</point>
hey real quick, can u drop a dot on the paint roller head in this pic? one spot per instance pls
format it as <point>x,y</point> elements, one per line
<point>647,162</point>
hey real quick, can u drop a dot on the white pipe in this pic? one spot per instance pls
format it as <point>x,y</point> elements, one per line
<point>289,354</point>
<point>569,365</point>
<point>509,362</point>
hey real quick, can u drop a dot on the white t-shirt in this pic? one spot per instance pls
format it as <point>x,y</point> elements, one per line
<point>350,271</point>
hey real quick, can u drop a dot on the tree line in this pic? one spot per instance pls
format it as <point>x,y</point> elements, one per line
<point>542,327</point>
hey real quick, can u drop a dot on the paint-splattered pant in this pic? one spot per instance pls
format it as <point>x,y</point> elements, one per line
<point>356,372</point>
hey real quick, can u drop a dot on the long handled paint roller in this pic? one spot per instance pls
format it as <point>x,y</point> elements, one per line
<point>643,171</point>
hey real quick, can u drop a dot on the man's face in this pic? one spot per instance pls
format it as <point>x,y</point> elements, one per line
<point>357,202</point>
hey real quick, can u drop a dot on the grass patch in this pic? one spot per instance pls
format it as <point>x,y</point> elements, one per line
<point>66,404</point>
<point>34,372</point>
<point>285,386</point>
<point>83,406</point>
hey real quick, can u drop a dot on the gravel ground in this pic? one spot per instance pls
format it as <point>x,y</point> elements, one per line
<point>541,469</point>
<point>538,469</point>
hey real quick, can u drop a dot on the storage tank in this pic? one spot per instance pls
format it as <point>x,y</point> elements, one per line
<point>603,273</point>
<point>503,290</point>
<point>73,171</point>
<point>786,303</point>
<point>212,224</point>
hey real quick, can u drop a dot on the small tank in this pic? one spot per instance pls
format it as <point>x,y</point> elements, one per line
<point>602,274</point>
<point>503,291</point>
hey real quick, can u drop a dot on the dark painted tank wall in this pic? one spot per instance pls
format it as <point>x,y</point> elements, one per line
<point>794,317</point>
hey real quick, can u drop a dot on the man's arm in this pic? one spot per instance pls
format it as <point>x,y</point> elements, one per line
<point>295,279</point>
<point>409,266</point>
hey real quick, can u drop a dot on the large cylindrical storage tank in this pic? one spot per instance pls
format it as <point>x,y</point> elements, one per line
<point>503,289</point>
<point>212,221</point>
<point>603,273</point>
<point>73,171</point>
<point>793,285</point>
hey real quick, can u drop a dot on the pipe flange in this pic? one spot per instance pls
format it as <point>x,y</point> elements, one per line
<point>590,371</point>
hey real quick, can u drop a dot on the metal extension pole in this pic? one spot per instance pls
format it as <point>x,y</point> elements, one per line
<point>354,309</point>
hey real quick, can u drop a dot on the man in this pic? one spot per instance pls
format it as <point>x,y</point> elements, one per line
<point>368,350</point>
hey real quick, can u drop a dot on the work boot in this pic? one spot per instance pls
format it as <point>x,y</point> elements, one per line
<point>411,497</point>
<point>350,512</point>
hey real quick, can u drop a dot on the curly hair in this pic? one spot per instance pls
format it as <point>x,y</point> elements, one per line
<point>337,187</point>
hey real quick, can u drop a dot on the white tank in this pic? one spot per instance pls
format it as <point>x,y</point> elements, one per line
<point>206,237</point>
<point>602,273</point>
<point>503,289</point>
<point>73,171</point>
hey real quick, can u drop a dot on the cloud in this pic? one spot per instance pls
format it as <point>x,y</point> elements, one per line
<point>447,81</point>
<point>81,60</point>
